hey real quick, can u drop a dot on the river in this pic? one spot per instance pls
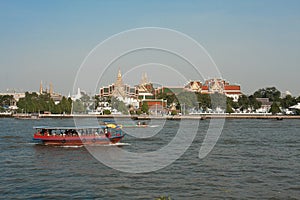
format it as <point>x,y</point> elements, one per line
<point>253,159</point>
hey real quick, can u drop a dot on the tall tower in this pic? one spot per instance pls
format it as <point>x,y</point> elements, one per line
<point>119,87</point>
<point>119,81</point>
<point>41,87</point>
<point>144,80</point>
<point>50,89</point>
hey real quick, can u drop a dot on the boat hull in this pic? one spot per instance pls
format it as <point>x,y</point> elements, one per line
<point>76,141</point>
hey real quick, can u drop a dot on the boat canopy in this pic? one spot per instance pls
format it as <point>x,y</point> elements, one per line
<point>75,127</point>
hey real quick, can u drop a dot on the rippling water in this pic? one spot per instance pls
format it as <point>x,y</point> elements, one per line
<point>253,159</point>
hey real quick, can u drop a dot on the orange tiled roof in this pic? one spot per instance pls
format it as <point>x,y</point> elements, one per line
<point>232,87</point>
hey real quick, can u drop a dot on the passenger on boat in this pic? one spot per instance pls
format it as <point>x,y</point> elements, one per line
<point>108,134</point>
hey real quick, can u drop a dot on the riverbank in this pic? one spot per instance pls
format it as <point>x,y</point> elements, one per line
<point>146,117</point>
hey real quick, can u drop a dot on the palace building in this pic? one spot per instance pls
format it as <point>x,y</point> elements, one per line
<point>145,88</point>
<point>136,96</point>
<point>146,93</point>
<point>208,87</point>
<point>215,86</point>
<point>119,90</point>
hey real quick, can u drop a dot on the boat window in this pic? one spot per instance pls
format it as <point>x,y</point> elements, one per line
<point>112,130</point>
<point>118,131</point>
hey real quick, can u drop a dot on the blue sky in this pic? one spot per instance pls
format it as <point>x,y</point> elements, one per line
<point>254,43</point>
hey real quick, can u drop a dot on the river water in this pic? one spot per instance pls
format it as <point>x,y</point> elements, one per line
<point>253,159</point>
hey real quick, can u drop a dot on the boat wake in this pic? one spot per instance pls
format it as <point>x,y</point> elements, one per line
<point>153,126</point>
<point>73,146</point>
<point>79,146</point>
<point>32,143</point>
<point>118,144</point>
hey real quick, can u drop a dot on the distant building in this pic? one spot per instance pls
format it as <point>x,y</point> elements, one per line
<point>169,90</point>
<point>285,94</point>
<point>16,95</point>
<point>194,86</point>
<point>76,96</point>
<point>215,86</point>
<point>121,91</point>
<point>135,96</point>
<point>265,105</point>
<point>55,96</point>
<point>156,106</point>
<point>208,87</point>
<point>145,89</point>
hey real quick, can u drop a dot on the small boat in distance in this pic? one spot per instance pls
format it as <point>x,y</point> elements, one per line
<point>32,116</point>
<point>139,124</point>
<point>78,136</point>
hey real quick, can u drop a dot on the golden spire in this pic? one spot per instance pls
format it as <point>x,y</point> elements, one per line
<point>41,87</point>
<point>144,80</point>
<point>50,88</point>
<point>119,74</point>
<point>119,81</point>
<point>119,87</point>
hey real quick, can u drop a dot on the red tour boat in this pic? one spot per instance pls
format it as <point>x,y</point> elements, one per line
<point>70,136</point>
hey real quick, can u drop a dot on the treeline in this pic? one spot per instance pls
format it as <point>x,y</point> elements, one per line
<point>5,102</point>
<point>183,101</point>
<point>34,103</point>
<point>189,100</point>
<point>204,102</point>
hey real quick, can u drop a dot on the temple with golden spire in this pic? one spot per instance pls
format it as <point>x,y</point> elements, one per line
<point>144,80</point>
<point>145,88</point>
<point>135,96</point>
<point>119,87</point>
<point>119,90</point>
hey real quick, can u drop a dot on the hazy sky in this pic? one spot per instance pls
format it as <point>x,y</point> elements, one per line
<point>254,43</point>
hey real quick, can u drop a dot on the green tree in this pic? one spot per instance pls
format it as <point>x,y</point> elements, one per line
<point>253,102</point>
<point>145,108</point>
<point>232,103</point>
<point>138,112</point>
<point>106,112</point>
<point>218,101</point>
<point>132,112</point>
<point>119,105</point>
<point>229,108</point>
<point>28,103</point>
<point>85,98</point>
<point>96,100</point>
<point>288,101</point>
<point>275,108</point>
<point>78,107</point>
<point>6,100</point>
<point>243,102</point>
<point>170,97</point>
<point>204,101</point>
<point>173,112</point>
<point>188,99</point>
<point>51,107</point>
<point>33,103</point>
<point>64,106</point>
<point>270,92</point>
